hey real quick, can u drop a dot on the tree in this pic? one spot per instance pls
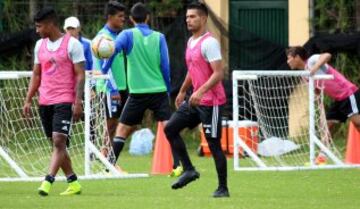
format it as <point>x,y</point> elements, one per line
<point>32,8</point>
<point>357,9</point>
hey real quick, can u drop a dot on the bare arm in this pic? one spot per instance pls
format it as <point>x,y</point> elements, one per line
<point>216,77</point>
<point>80,83</point>
<point>323,59</point>
<point>186,84</point>
<point>184,87</point>
<point>33,88</point>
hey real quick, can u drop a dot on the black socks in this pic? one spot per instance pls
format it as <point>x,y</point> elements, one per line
<point>118,145</point>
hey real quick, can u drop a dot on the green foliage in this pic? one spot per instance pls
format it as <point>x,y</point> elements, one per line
<point>165,8</point>
<point>19,62</point>
<point>12,22</point>
<point>338,17</point>
<point>90,13</point>
<point>334,16</point>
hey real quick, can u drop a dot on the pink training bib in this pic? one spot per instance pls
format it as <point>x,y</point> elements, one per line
<point>338,88</point>
<point>200,71</point>
<point>57,74</point>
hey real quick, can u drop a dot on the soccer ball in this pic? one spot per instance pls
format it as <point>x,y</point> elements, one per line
<point>102,47</point>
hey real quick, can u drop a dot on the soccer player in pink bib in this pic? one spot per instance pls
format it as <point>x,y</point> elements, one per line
<point>205,74</point>
<point>345,94</point>
<point>58,76</point>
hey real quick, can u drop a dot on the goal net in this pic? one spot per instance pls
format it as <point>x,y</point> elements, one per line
<point>24,149</point>
<point>279,122</point>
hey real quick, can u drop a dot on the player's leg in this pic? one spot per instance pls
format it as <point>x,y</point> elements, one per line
<point>112,108</point>
<point>61,159</point>
<point>58,153</point>
<point>74,186</point>
<point>184,117</point>
<point>46,116</point>
<point>331,124</point>
<point>355,105</point>
<point>61,130</point>
<point>66,165</point>
<point>111,124</point>
<point>339,111</point>
<point>131,115</point>
<point>211,123</point>
<point>177,167</point>
<point>118,144</point>
<point>355,119</point>
<point>334,116</point>
<point>160,105</point>
<point>108,148</point>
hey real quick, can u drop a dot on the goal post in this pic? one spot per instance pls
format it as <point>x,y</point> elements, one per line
<point>286,109</point>
<point>24,149</point>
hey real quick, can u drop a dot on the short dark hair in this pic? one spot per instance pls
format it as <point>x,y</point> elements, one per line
<point>113,7</point>
<point>297,50</point>
<point>201,7</point>
<point>46,14</point>
<point>139,12</point>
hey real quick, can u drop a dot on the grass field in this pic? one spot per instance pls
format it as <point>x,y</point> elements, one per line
<point>324,189</point>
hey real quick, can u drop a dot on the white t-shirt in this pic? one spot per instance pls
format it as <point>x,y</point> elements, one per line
<point>210,48</point>
<point>312,61</point>
<point>75,49</point>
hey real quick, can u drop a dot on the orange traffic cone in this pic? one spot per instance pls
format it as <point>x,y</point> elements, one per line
<point>353,145</point>
<point>162,158</point>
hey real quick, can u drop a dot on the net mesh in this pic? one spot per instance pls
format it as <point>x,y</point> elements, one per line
<point>24,141</point>
<point>276,109</point>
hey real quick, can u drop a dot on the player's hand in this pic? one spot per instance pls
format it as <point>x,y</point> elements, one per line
<point>77,111</point>
<point>116,97</point>
<point>179,99</point>
<point>96,72</point>
<point>195,98</point>
<point>312,72</point>
<point>307,68</point>
<point>92,95</point>
<point>27,109</point>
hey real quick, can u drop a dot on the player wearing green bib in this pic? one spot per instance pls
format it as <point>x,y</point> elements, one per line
<point>148,73</point>
<point>115,88</point>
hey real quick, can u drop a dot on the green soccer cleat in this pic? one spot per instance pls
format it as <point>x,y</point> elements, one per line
<point>176,172</point>
<point>44,188</point>
<point>73,188</point>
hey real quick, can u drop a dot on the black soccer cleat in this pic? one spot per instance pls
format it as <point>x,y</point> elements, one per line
<point>221,192</point>
<point>185,178</point>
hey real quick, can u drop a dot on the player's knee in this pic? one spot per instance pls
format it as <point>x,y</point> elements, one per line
<point>123,130</point>
<point>169,131</point>
<point>355,119</point>
<point>59,144</point>
<point>59,141</point>
<point>357,125</point>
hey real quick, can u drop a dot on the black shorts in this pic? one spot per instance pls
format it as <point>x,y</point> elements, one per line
<point>136,105</point>
<point>115,106</point>
<point>342,110</point>
<point>56,118</point>
<point>189,117</point>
